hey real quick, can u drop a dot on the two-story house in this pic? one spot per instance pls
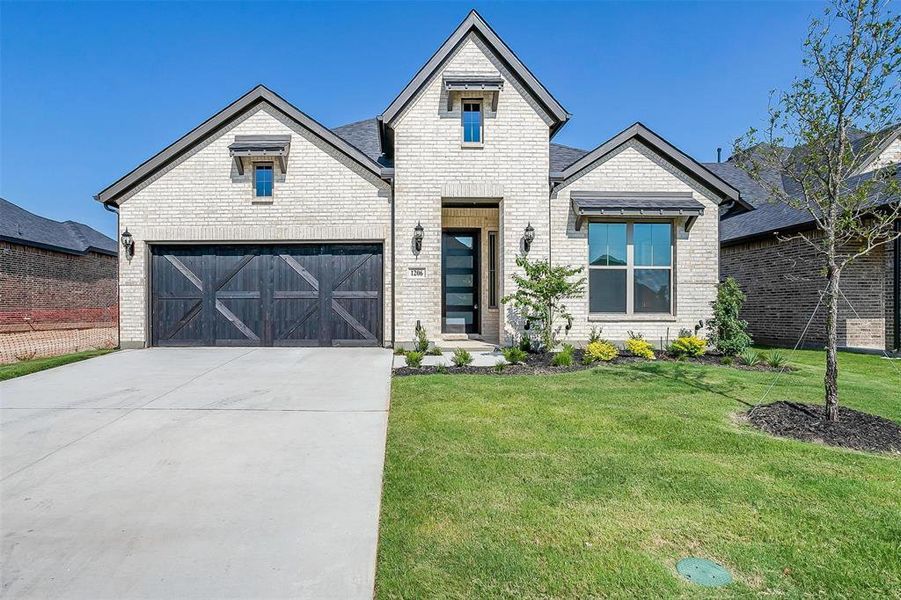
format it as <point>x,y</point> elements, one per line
<point>263,227</point>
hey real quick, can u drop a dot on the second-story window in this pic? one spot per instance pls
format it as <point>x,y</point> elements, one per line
<point>262,180</point>
<point>472,122</point>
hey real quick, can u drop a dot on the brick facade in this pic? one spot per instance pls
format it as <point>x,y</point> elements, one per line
<point>635,167</point>
<point>783,281</point>
<point>48,290</point>
<point>55,303</point>
<point>325,196</point>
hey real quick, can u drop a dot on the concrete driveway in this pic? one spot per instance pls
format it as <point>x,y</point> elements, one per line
<point>194,473</point>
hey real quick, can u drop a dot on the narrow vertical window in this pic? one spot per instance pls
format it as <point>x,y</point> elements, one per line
<point>472,121</point>
<point>492,269</point>
<point>262,180</point>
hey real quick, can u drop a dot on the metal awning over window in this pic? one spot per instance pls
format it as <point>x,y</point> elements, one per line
<point>260,146</point>
<point>586,205</point>
<point>487,85</point>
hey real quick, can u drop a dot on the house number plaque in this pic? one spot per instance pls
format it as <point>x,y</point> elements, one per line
<point>417,272</point>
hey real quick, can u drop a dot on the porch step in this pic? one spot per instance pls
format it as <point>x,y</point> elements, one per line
<point>449,345</point>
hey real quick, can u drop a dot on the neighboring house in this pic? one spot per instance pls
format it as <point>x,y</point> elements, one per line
<point>783,279</point>
<point>263,227</point>
<point>57,285</point>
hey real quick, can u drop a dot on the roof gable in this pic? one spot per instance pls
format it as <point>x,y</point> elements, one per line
<point>256,97</point>
<point>474,23</point>
<point>679,159</point>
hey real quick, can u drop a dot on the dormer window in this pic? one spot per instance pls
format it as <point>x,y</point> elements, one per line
<point>472,122</point>
<point>262,180</point>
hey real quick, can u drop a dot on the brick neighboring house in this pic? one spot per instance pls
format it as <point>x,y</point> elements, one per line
<point>783,279</point>
<point>262,227</point>
<point>57,286</point>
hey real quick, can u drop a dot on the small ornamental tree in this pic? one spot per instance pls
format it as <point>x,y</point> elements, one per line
<point>540,293</point>
<point>727,332</point>
<point>850,86</point>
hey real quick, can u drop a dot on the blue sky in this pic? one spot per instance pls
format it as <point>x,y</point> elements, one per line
<point>90,90</point>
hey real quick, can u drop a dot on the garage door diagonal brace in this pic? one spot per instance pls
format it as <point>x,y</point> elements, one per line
<point>352,321</point>
<point>298,268</point>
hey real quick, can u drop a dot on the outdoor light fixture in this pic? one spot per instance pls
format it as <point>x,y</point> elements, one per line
<point>418,233</point>
<point>528,237</point>
<point>128,243</point>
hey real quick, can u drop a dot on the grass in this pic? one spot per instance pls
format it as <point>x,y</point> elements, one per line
<point>595,483</point>
<point>27,367</point>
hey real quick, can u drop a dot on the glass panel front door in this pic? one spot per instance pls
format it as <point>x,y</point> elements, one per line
<point>460,281</point>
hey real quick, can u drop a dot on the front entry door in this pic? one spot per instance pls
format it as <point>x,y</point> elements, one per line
<point>460,281</point>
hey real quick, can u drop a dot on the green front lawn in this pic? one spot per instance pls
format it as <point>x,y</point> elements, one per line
<point>26,367</point>
<point>593,484</point>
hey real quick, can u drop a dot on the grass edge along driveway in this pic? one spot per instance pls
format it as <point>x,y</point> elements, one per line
<point>26,367</point>
<point>593,484</point>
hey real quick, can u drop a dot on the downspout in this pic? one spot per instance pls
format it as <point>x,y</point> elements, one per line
<point>896,300</point>
<point>115,210</point>
<point>393,272</point>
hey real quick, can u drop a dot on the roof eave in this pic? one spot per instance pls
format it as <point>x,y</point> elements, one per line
<point>474,21</point>
<point>258,95</point>
<point>687,164</point>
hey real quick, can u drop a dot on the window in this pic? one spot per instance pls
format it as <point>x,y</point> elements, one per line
<point>472,122</point>
<point>630,267</point>
<point>492,269</point>
<point>262,180</point>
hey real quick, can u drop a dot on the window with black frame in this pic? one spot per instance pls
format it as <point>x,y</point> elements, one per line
<point>630,267</point>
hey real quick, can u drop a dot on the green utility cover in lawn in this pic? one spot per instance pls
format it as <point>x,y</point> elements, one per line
<point>703,572</point>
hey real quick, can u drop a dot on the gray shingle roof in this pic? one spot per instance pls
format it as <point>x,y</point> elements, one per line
<point>364,135</point>
<point>770,217</point>
<point>19,226</point>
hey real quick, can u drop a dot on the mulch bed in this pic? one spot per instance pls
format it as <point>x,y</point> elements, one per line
<point>807,422</point>
<point>540,364</point>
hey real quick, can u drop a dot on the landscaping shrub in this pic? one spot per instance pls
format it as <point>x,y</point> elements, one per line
<point>434,351</point>
<point>525,343</point>
<point>422,339</point>
<point>638,346</point>
<point>514,355</point>
<point>600,351</point>
<point>688,346</point>
<point>727,333</point>
<point>595,335</point>
<point>727,360</point>
<point>749,357</point>
<point>400,351</point>
<point>499,366</point>
<point>540,293</point>
<point>441,368</point>
<point>564,358</point>
<point>414,359</point>
<point>461,357</point>
<point>777,359</point>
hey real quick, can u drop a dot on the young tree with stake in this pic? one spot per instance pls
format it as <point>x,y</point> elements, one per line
<point>852,59</point>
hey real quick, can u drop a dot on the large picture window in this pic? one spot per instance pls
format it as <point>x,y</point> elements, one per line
<point>630,267</point>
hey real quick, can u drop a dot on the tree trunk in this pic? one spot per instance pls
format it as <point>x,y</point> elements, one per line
<point>831,378</point>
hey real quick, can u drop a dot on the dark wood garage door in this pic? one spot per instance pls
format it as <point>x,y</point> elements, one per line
<point>237,295</point>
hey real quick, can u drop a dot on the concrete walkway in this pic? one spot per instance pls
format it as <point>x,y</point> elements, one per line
<point>194,473</point>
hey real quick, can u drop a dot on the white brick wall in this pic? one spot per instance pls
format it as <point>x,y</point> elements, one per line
<point>889,156</point>
<point>637,168</point>
<point>323,196</point>
<point>430,162</point>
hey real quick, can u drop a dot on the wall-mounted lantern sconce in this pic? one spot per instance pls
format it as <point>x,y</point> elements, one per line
<point>528,237</point>
<point>128,243</point>
<point>418,233</point>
